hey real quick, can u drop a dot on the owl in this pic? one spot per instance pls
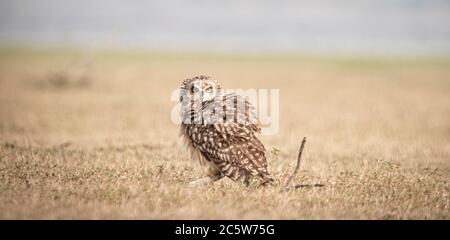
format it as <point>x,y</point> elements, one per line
<point>220,130</point>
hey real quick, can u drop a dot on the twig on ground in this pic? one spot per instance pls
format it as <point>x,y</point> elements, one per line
<point>298,163</point>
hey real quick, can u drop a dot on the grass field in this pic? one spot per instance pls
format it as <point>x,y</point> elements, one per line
<point>87,135</point>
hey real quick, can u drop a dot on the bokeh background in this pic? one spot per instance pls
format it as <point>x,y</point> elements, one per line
<point>85,107</point>
<point>346,27</point>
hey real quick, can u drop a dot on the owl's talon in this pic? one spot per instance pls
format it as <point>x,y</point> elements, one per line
<point>200,182</point>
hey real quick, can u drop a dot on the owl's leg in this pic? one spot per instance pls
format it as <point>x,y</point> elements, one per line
<point>212,175</point>
<point>202,181</point>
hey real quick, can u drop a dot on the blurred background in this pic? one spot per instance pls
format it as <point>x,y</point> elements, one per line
<point>85,106</point>
<point>387,27</point>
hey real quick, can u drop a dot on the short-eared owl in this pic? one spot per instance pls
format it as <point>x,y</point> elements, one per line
<point>220,130</point>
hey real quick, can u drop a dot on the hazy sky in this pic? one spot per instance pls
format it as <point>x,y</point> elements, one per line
<point>344,26</point>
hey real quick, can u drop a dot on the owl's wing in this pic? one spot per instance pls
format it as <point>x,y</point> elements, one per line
<point>239,159</point>
<point>238,117</point>
<point>237,152</point>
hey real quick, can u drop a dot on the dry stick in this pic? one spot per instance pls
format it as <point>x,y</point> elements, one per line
<point>298,163</point>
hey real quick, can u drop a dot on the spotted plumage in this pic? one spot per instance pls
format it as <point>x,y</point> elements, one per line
<point>221,132</point>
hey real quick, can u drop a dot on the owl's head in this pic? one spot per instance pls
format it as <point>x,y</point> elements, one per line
<point>198,89</point>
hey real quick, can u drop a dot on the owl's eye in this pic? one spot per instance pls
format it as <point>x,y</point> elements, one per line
<point>209,89</point>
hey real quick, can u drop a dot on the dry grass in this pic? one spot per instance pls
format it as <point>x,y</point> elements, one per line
<point>88,135</point>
